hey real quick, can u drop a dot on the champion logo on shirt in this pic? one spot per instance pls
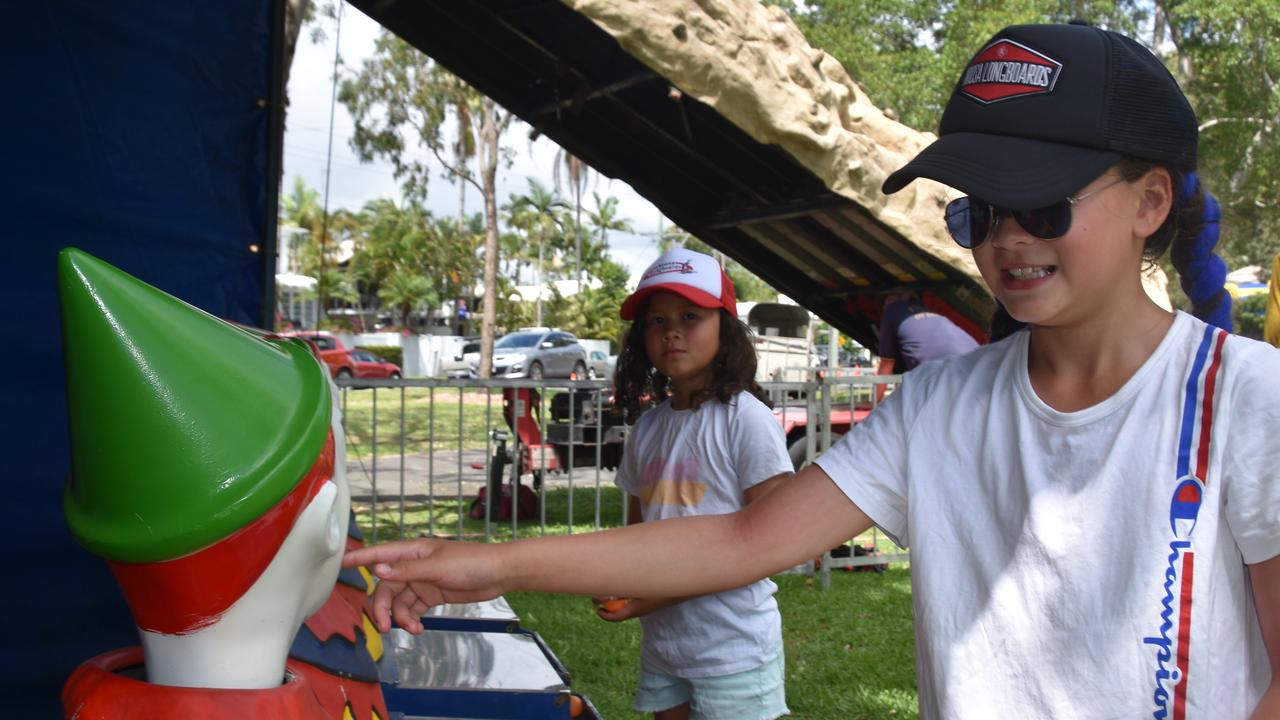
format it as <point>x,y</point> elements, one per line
<point>1173,636</point>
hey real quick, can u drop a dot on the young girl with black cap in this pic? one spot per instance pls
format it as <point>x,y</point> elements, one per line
<point>1093,503</point>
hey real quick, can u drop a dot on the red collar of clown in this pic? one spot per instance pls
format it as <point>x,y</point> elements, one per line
<point>186,594</point>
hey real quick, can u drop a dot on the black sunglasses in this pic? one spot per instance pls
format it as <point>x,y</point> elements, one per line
<point>972,221</point>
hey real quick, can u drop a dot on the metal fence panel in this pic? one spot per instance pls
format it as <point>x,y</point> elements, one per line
<point>547,438</point>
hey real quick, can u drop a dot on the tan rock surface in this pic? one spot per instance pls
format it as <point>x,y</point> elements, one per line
<point>752,64</point>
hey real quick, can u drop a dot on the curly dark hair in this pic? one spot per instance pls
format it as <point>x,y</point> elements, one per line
<point>639,386</point>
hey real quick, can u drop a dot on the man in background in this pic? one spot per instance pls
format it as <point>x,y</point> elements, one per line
<point>911,335</point>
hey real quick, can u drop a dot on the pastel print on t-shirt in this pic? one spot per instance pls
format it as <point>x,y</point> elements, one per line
<point>674,483</point>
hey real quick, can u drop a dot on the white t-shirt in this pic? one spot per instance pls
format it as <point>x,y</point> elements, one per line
<point>699,462</point>
<point>1086,564</point>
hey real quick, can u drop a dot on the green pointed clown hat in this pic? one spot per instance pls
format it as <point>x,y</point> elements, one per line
<point>185,429</point>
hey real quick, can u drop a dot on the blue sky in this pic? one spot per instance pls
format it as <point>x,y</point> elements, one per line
<point>353,183</point>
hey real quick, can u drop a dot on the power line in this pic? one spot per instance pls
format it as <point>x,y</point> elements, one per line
<point>333,103</point>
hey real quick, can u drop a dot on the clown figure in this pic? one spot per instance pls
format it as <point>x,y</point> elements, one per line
<point>208,470</point>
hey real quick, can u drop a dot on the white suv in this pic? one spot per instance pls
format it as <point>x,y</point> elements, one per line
<point>461,360</point>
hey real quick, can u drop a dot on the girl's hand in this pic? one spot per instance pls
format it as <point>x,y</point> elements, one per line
<point>608,608</point>
<point>415,575</point>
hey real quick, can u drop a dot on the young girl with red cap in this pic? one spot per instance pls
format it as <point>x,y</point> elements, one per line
<point>704,443</point>
<point>1092,503</point>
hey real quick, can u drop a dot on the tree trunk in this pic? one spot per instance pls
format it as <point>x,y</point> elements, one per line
<point>462,206</point>
<point>293,12</point>
<point>488,152</point>
<point>577,236</point>
<point>539,283</point>
<point>462,112</point>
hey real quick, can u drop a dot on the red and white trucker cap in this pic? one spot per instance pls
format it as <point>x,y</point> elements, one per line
<point>696,277</point>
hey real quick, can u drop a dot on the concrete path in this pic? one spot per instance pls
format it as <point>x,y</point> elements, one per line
<point>438,475</point>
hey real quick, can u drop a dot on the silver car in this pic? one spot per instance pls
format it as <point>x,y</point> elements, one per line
<point>600,365</point>
<point>537,354</point>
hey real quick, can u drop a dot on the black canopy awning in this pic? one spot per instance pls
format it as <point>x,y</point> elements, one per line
<point>569,79</point>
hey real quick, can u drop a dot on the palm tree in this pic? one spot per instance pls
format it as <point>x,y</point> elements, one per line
<point>604,218</point>
<point>318,258</point>
<point>461,97</point>
<point>405,290</point>
<point>450,256</point>
<point>539,214</point>
<point>576,172</point>
<point>301,207</point>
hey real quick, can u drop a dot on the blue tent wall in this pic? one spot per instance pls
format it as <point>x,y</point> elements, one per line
<point>141,133</point>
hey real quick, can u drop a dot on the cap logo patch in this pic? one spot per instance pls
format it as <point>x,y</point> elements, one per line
<point>1006,70</point>
<point>683,268</point>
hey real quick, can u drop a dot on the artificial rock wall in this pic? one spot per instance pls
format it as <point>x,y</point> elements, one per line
<point>752,64</point>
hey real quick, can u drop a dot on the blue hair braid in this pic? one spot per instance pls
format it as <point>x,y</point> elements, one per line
<point>1201,272</point>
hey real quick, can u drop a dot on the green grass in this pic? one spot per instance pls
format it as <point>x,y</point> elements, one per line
<point>430,417</point>
<point>849,648</point>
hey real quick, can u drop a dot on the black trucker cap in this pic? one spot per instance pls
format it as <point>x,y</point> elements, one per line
<point>1042,110</point>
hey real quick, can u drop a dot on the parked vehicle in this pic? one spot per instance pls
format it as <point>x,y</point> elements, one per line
<point>537,354</point>
<point>461,360</point>
<point>600,365</point>
<point>345,362</point>
<point>783,340</point>
<point>367,365</point>
<point>332,351</point>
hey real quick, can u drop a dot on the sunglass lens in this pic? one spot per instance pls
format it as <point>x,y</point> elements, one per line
<point>968,221</point>
<point>1048,222</point>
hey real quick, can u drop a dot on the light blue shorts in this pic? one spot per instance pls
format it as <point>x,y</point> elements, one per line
<point>755,694</point>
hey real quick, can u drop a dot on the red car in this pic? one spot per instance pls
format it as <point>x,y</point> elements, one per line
<point>347,362</point>
<point>368,365</point>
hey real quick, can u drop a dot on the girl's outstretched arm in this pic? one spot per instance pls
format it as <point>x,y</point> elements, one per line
<point>637,607</point>
<point>687,556</point>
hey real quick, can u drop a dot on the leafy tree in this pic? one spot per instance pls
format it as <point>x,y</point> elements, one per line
<point>576,171</point>
<point>405,290</point>
<point>301,208</point>
<point>1227,55</point>
<point>512,309</point>
<point>398,241</point>
<point>907,55</point>
<point>1249,315</point>
<point>592,312</point>
<point>539,214</point>
<point>604,219</point>
<point>886,47</point>
<point>387,235</point>
<point>402,100</point>
<point>319,256</point>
